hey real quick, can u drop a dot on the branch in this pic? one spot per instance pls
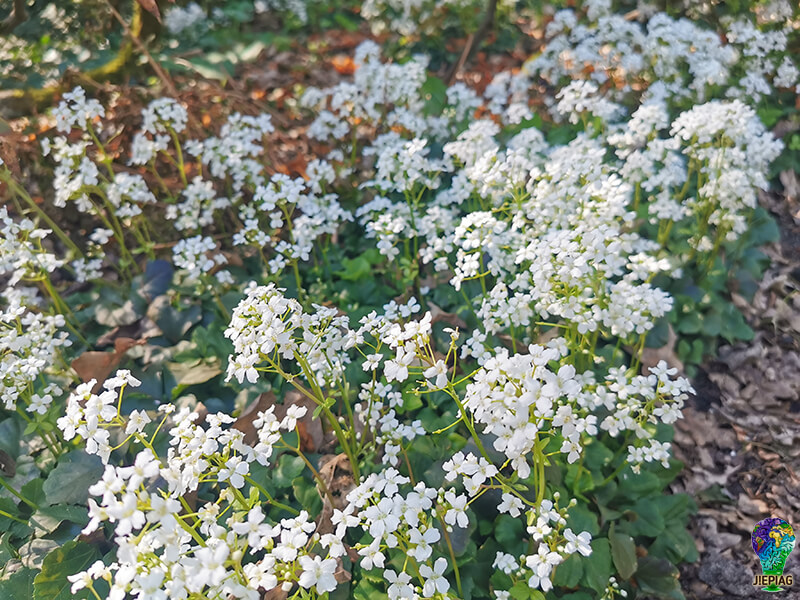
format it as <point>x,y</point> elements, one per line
<point>18,15</point>
<point>162,74</point>
<point>25,101</point>
<point>473,41</point>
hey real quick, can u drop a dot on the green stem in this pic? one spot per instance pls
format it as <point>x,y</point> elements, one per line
<point>269,497</point>
<point>452,554</point>
<point>179,151</point>
<point>12,517</point>
<point>14,492</point>
<point>21,193</point>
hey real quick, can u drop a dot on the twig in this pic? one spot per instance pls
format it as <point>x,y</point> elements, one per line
<point>473,41</point>
<point>162,74</point>
<point>18,15</point>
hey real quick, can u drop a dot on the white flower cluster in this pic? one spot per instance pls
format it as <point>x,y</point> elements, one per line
<point>21,254</point>
<point>267,327</point>
<point>162,549</point>
<point>235,151</point>
<point>732,151</point>
<point>555,542</point>
<point>198,207</point>
<point>521,402</point>
<point>198,257</point>
<point>179,19</point>
<point>274,207</point>
<point>678,58</point>
<point>382,96</point>
<point>76,111</point>
<point>635,402</point>
<point>412,18</point>
<point>29,345</point>
<point>403,524</point>
<point>538,237</point>
<point>30,341</point>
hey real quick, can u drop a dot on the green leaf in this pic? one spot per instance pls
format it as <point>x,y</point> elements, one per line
<point>623,552</point>
<point>411,402</point>
<point>194,373</point>
<point>174,323</point>
<point>658,577</point>
<point>673,507</point>
<point>633,486</point>
<point>522,591</point>
<point>763,228</point>
<point>597,566</point>
<point>69,559</point>
<point>648,520</point>
<point>19,586</point>
<point>770,114</point>
<point>6,549</point>
<point>306,493</point>
<point>582,519</point>
<point>507,530</point>
<point>355,268</point>
<point>597,455</point>
<point>10,507</point>
<point>48,518</point>
<point>712,324</point>
<point>367,589</point>
<point>157,278</point>
<point>434,91</point>
<point>569,573</point>
<point>69,482</point>
<point>674,544</point>
<point>289,467</point>
<point>34,491</point>
<point>10,434</point>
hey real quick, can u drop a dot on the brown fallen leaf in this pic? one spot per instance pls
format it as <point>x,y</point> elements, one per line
<point>341,574</point>
<point>337,475</point>
<point>343,64</point>
<point>336,472</point>
<point>452,319</point>
<point>652,356</point>
<point>312,436</point>
<point>245,421</point>
<point>99,365</point>
<point>151,6</point>
<point>275,593</point>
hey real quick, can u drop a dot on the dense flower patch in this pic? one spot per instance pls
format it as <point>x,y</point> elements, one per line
<point>420,370</point>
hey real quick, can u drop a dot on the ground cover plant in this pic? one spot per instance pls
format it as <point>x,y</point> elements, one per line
<point>441,359</point>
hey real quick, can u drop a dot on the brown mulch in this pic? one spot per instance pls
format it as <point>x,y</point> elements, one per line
<point>740,437</point>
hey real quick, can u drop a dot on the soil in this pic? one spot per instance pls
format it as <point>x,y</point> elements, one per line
<point>740,436</point>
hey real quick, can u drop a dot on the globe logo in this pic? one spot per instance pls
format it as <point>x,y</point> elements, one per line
<point>773,540</point>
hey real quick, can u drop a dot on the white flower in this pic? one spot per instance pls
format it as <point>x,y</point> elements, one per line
<point>399,585</point>
<point>578,543</point>
<point>434,578</point>
<point>397,369</point>
<point>136,422</point>
<point>438,370</point>
<point>318,572</point>
<point>235,469</point>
